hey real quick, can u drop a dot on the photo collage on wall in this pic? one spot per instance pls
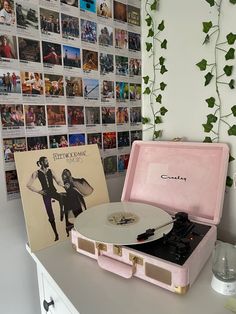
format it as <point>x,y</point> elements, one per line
<point>70,74</point>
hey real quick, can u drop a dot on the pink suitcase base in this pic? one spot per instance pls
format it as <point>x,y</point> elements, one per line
<point>187,177</point>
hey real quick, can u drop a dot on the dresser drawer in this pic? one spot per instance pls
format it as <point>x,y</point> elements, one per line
<point>51,295</point>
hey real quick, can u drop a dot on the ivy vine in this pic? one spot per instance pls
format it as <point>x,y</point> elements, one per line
<point>154,88</point>
<point>219,76</point>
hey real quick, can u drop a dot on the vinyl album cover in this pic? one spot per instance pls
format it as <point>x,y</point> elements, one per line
<point>56,185</point>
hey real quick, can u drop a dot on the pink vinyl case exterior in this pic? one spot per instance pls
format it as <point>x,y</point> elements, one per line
<point>174,176</point>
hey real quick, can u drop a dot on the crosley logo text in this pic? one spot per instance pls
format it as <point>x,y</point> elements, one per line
<point>164,176</point>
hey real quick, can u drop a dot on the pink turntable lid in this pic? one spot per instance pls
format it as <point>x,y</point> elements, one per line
<point>179,176</point>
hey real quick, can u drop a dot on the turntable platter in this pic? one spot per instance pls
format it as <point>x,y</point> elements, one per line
<point>120,223</point>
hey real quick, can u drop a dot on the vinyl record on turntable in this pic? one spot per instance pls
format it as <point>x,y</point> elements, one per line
<point>120,223</point>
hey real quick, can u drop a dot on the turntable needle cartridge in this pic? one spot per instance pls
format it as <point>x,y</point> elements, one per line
<point>150,232</point>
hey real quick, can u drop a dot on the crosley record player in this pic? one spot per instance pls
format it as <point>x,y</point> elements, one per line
<point>187,181</point>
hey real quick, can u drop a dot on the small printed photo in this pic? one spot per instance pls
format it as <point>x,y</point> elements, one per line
<point>51,53</point>
<point>92,115</point>
<point>12,145</point>
<point>74,86</point>
<point>57,141</point>
<point>27,16</point>
<point>136,136</point>
<point>110,165</point>
<point>122,115</point>
<point>91,89</point>
<point>123,139</point>
<point>108,115</point>
<point>12,115</point>
<point>75,115</point>
<point>122,91</point>
<point>123,161</point>
<point>134,41</point>
<point>12,182</point>
<point>29,50</point>
<point>49,21</point>
<point>122,65</point>
<point>88,31</point>
<point>71,57</point>
<point>134,15</point>
<point>56,115</point>
<point>54,85</point>
<point>135,67</point>
<point>105,35</point>
<point>7,14</point>
<point>104,8</point>
<point>72,3</point>
<point>8,48</point>
<point>120,11</point>
<point>135,115</point>
<point>121,38</point>
<point>106,63</point>
<point>95,138</point>
<point>9,81</point>
<point>69,26</point>
<point>90,60</point>
<point>109,140</point>
<point>107,90</point>
<point>135,91</point>
<point>76,139</point>
<point>37,143</point>
<point>31,83</point>
<point>88,5</point>
<point>35,115</point>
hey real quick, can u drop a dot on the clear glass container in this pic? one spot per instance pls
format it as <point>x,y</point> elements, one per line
<point>224,269</point>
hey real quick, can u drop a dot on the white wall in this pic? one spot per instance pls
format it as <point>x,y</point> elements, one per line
<point>185,94</point>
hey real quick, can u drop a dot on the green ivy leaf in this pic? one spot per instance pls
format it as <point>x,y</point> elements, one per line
<point>161,60</point>
<point>230,54</point>
<point>229,181</point>
<point>159,98</point>
<point>232,130</point>
<point>206,40</point>
<point>148,46</point>
<point>207,26</point>
<point>202,64</point>
<point>211,2</point>
<point>149,20</point>
<point>207,139</point>
<point>163,69</point>
<point>157,134</point>
<point>211,118</point>
<point>208,78</point>
<point>145,120</point>
<point>231,38</point>
<point>154,5</point>
<point>158,120</point>
<point>163,111</point>
<point>228,69</point>
<point>161,26</point>
<point>231,158</point>
<point>231,84</point>
<point>147,91</point>
<point>146,79</point>
<point>164,44</point>
<point>150,33</point>
<point>162,85</point>
<point>232,1</point>
<point>211,102</point>
<point>207,127</point>
<point>233,109</point>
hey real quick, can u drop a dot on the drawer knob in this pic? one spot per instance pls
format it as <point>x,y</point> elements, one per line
<point>47,304</point>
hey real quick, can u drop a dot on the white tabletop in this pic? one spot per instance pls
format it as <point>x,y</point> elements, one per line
<point>95,291</point>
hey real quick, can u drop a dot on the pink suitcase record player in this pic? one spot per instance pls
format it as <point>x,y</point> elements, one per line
<point>187,181</point>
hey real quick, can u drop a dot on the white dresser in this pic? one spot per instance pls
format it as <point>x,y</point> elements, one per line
<point>74,284</point>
